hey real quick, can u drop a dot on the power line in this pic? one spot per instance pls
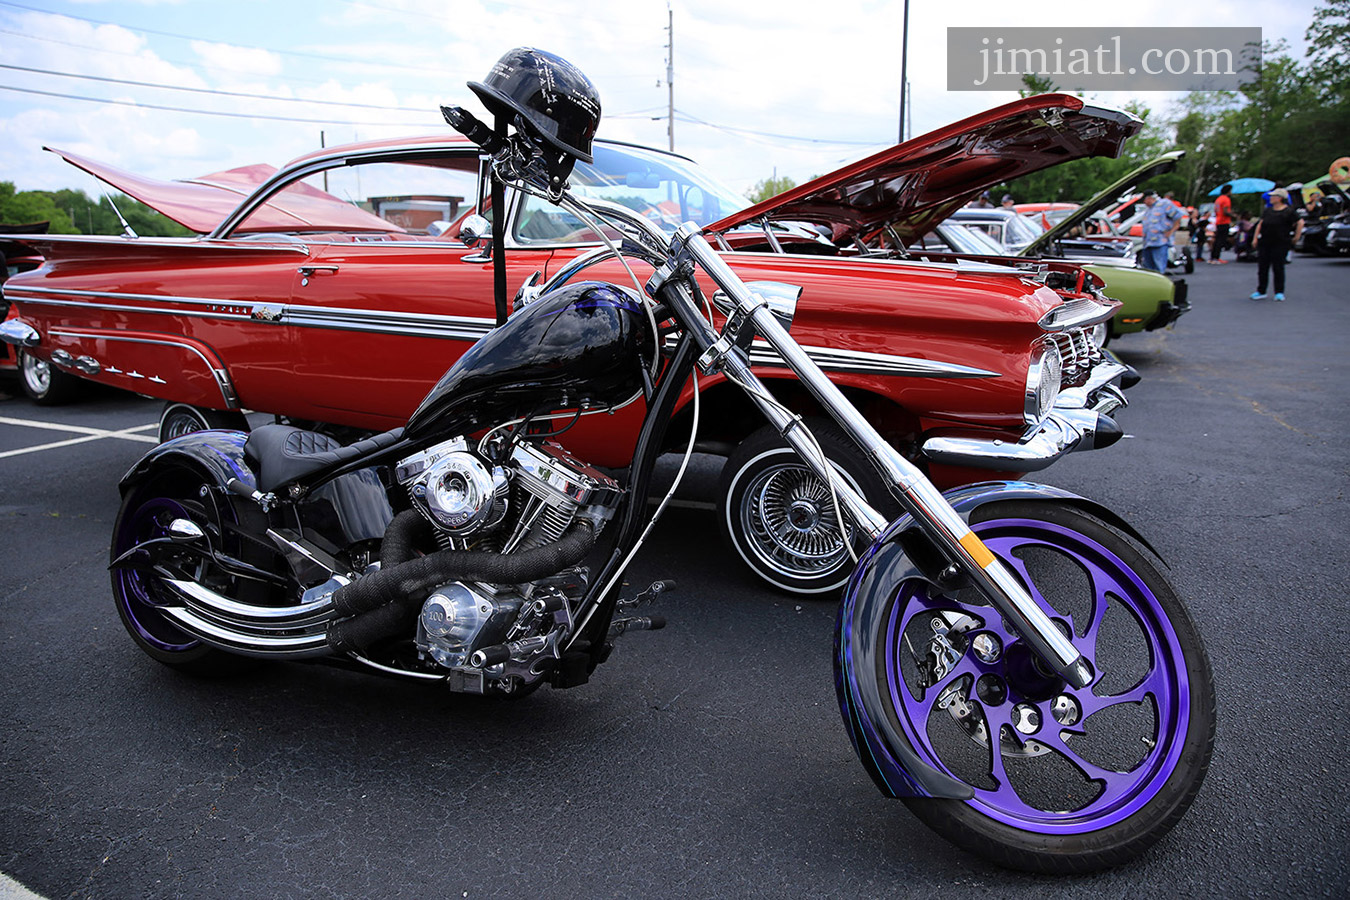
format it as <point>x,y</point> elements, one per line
<point>168,59</point>
<point>171,87</point>
<point>769,134</point>
<point>207,112</point>
<point>347,60</point>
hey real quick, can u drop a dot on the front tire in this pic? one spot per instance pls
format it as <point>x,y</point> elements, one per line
<point>1078,780</point>
<point>781,519</point>
<point>44,383</point>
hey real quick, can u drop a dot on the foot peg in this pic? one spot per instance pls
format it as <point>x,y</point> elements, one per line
<point>636,623</point>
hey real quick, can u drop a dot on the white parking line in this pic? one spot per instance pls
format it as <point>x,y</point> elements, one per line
<point>90,434</point>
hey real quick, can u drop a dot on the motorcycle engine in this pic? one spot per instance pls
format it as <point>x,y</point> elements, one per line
<point>526,502</point>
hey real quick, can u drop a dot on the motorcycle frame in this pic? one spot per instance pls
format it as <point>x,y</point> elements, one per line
<point>673,284</point>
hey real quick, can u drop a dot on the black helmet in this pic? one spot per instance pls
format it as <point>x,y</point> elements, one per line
<point>554,97</point>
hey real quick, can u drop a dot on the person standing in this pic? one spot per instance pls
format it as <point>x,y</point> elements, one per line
<point>1159,223</point>
<point>1275,234</point>
<point>1223,218</point>
<point>1198,226</point>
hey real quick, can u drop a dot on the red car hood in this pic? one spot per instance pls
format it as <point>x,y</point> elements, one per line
<point>915,185</point>
<point>200,204</point>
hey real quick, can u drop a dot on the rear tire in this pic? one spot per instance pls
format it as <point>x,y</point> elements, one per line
<point>44,383</point>
<point>1078,780</point>
<point>146,511</point>
<point>780,518</point>
<point>178,419</point>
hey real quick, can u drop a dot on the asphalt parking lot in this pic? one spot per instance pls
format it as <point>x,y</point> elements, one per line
<point>705,760</point>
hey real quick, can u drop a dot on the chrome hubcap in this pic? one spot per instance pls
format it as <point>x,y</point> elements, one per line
<point>790,523</point>
<point>38,374</point>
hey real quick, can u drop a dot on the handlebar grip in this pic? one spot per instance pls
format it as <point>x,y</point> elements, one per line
<point>467,124</point>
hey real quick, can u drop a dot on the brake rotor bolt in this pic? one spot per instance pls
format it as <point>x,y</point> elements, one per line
<point>987,648</point>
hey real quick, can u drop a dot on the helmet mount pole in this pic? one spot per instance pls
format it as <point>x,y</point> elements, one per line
<point>499,232</point>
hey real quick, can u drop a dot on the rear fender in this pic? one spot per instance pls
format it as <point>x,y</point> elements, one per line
<point>218,455</point>
<point>351,508</point>
<point>894,559</point>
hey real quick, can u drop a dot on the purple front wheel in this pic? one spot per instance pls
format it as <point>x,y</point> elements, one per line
<point>1065,779</point>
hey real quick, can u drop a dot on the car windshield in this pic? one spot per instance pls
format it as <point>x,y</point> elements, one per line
<point>665,188</point>
<point>969,240</point>
<point>1021,231</point>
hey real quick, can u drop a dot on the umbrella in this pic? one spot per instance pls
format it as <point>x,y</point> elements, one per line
<point>1247,186</point>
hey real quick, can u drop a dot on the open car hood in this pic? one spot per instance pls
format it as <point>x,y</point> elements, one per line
<point>1102,199</point>
<point>200,204</point>
<point>915,185</point>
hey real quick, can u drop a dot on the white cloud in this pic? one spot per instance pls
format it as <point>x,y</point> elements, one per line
<point>248,61</point>
<point>825,72</point>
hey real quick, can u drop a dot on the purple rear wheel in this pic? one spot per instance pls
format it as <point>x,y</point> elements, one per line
<point>140,593</point>
<point>1065,779</point>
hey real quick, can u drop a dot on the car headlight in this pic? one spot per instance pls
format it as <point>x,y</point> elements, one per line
<point>1043,381</point>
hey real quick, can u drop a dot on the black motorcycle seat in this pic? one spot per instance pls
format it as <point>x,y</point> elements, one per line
<point>283,453</point>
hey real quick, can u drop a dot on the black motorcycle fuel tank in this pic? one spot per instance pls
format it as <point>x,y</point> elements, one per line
<point>582,344</point>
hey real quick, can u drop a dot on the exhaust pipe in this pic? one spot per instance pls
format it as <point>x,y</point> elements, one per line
<point>290,632</point>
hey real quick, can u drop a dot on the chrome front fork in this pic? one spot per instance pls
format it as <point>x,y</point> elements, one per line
<point>914,491</point>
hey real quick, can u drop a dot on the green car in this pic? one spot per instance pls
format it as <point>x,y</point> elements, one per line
<point>1149,300</point>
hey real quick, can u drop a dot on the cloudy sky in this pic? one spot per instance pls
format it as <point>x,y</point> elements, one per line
<point>761,86</point>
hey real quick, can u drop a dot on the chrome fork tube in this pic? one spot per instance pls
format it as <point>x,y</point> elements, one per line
<point>914,491</point>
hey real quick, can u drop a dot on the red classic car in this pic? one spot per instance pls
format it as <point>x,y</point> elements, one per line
<point>298,302</point>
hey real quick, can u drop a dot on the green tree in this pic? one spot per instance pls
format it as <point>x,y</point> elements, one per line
<point>28,207</point>
<point>74,212</point>
<point>1329,50</point>
<point>769,187</point>
<point>1035,84</point>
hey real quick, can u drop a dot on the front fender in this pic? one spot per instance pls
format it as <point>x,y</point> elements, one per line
<point>882,569</point>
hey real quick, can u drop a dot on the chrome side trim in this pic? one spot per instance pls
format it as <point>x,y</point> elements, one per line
<point>464,328</point>
<point>49,296</point>
<point>461,328</point>
<point>832,359</point>
<point>468,328</point>
<point>222,376</point>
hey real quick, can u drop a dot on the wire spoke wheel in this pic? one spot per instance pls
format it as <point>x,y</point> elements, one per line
<point>793,520</point>
<point>781,518</point>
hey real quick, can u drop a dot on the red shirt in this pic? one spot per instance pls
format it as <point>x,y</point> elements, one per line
<point>1222,207</point>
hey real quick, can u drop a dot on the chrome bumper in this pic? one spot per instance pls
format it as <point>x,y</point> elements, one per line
<point>1080,420</point>
<point>19,333</point>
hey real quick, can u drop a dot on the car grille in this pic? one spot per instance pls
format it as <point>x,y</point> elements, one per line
<point>1078,353</point>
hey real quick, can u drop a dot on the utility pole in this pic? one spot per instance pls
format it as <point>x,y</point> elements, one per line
<point>904,62</point>
<point>670,77</point>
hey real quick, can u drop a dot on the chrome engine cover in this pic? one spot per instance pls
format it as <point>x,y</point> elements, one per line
<point>455,489</point>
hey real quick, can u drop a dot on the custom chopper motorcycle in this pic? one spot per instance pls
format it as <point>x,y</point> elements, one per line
<point>1011,660</point>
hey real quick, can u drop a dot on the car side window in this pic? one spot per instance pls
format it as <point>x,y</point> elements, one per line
<point>415,200</point>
